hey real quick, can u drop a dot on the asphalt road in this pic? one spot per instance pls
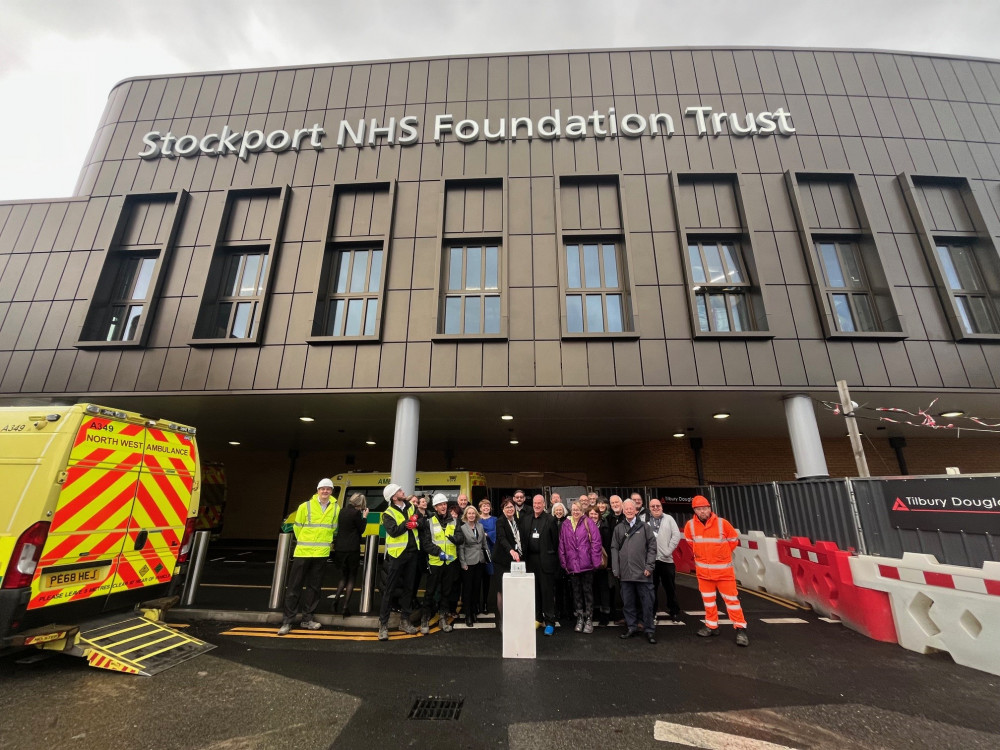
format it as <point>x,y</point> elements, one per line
<point>808,684</point>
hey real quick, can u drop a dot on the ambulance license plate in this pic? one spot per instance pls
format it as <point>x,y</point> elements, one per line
<point>58,579</point>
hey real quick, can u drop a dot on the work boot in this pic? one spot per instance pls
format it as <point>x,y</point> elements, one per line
<point>407,627</point>
<point>707,632</point>
<point>588,626</point>
<point>741,637</point>
<point>285,629</point>
<point>578,628</point>
<point>383,631</point>
<point>425,624</point>
<point>445,625</point>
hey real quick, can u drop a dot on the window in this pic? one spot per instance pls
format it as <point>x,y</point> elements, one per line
<point>721,286</point>
<point>128,298</point>
<point>976,309</point>
<point>236,313</point>
<point>472,289</point>
<point>595,288</point>
<point>352,292</point>
<point>847,286</point>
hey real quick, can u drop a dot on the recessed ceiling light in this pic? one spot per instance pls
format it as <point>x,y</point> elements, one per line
<point>514,441</point>
<point>952,414</point>
<point>678,434</point>
<point>721,415</point>
<point>234,442</point>
<point>506,417</point>
<point>306,419</point>
<point>369,442</point>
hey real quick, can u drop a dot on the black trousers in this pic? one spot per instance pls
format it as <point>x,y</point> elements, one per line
<point>399,572</point>
<point>665,574</point>
<point>639,600</point>
<point>307,571</point>
<point>440,581</point>
<point>472,584</point>
<point>545,591</point>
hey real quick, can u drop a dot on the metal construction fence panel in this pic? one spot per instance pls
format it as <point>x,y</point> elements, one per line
<point>820,510</point>
<point>894,520</point>
<point>749,507</point>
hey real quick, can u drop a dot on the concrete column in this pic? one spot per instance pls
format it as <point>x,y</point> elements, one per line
<point>810,461</point>
<point>404,444</point>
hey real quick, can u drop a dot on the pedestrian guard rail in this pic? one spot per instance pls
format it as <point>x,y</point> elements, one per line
<point>758,567</point>
<point>939,607</point>
<point>822,576</point>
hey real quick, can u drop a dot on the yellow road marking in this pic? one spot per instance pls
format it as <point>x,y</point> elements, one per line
<point>313,635</point>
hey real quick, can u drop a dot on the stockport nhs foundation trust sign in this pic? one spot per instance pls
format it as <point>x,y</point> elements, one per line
<point>405,131</point>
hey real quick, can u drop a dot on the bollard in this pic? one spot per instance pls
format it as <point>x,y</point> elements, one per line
<point>371,568</point>
<point>198,555</point>
<point>280,570</point>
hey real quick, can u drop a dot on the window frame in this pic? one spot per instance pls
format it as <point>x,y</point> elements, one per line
<point>617,237</point>
<point>756,294</point>
<point>449,239</point>
<point>100,303</point>
<point>330,296</point>
<point>965,313</point>
<point>222,250</point>
<point>980,240</point>
<point>603,290</point>
<point>333,246</point>
<point>466,293</point>
<point>883,304</point>
<point>730,290</point>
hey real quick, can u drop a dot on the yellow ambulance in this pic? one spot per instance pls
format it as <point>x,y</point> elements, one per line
<point>472,484</point>
<point>98,511</point>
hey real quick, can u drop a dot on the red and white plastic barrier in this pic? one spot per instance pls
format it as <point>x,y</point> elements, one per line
<point>939,607</point>
<point>823,579</point>
<point>758,566</point>
<point>684,557</point>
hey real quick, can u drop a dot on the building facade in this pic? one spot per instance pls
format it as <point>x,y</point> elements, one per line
<point>611,247</point>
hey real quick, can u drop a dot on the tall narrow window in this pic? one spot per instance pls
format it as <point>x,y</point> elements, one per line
<point>721,286</point>
<point>128,298</point>
<point>237,302</point>
<point>847,286</point>
<point>352,294</point>
<point>594,288</point>
<point>976,308</point>
<point>471,289</point>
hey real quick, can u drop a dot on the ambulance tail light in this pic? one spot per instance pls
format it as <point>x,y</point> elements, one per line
<point>185,552</point>
<point>24,559</point>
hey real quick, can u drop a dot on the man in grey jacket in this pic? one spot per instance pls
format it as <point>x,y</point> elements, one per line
<point>668,536</point>
<point>633,558</point>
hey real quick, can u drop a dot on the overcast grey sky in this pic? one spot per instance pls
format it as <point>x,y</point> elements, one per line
<point>60,58</point>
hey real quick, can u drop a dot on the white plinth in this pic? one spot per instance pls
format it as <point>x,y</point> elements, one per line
<point>518,616</point>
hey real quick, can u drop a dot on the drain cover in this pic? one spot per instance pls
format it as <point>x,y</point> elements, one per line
<point>436,708</point>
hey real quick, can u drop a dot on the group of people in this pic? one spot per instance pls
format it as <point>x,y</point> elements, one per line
<point>603,557</point>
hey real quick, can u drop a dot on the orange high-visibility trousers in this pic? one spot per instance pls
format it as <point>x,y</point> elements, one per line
<point>729,595</point>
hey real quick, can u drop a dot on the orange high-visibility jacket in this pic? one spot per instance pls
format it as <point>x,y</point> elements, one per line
<point>713,543</point>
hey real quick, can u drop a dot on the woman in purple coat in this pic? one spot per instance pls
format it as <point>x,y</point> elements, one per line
<point>580,556</point>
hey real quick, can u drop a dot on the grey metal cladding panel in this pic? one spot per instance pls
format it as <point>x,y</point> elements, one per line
<point>843,359</point>
<point>317,370</point>
<point>763,364</point>
<point>987,83</point>
<point>389,359</point>
<point>706,79</point>
<point>789,357</point>
<point>31,277</point>
<point>243,95</point>
<point>244,368</point>
<point>417,367</point>
<point>684,72</point>
<point>497,77</point>
<point>870,363</point>
<point>641,67</point>
<point>938,202</point>
<point>663,72</point>
<point>929,78</point>
<point>724,65</point>
<point>787,71</point>
<point>458,80</point>
<point>897,364</point>
<point>708,361</point>
<point>105,370</point>
<point>148,110</point>
<point>976,367</point>
<point>748,79</point>
<point>870,76</point>
<point>437,81</point>
<point>444,356</point>
<point>469,369</point>
<point>378,86</point>
<point>293,364</point>
<point>357,89</point>
<point>538,76</point>
<point>924,365</point>
<point>600,363</point>
<point>15,372</point>
<point>32,226</point>
<point>736,363</point>
<point>220,369</point>
<point>268,368</point>
<point>478,79</point>
<point>574,363</point>
<point>454,208</point>
<point>949,364</point>
<point>12,227</point>
<point>653,358</point>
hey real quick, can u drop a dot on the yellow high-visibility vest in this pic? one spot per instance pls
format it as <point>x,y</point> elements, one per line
<point>315,528</point>
<point>440,534</point>
<point>394,545</point>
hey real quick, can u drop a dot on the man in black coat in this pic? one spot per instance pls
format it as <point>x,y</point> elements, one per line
<point>540,539</point>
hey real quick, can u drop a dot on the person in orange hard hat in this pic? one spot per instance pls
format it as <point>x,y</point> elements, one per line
<point>713,540</point>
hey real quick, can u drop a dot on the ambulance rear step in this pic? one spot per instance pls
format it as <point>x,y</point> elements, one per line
<point>136,645</point>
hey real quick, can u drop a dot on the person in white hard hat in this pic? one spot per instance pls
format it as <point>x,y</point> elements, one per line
<point>402,543</point>
<point>315,526</point>
<point>439,540</point>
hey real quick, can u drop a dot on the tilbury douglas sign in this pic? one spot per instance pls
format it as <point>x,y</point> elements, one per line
<point>405,131</point>
<point>952,504</point>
